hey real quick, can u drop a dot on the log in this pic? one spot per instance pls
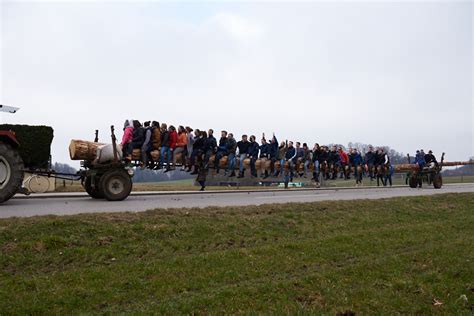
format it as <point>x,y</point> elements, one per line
<point>83,150</point>
<point>457,163</point>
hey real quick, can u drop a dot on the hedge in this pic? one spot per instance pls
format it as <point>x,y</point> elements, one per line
<point>35,144</point>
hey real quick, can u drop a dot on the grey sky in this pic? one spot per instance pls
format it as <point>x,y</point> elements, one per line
<point>397,74</point>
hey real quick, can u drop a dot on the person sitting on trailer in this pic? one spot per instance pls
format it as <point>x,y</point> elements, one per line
<point>231,149</point>
<point>389,171</point>
<point>165,146</point>
<point>295,163</point>
<point>189,146</point>
<point>156,135</point>
<point>221,150</point>
<point>127,139</point>
<point>243,147</point>
<point>324,161</point>
<point>290,157</point>
<point>420,159</point>
<point>197,149</point>
<point>344,162</point>
<point>317,159</point>
<point>357,161</point>
<point>181,145</point>
<point>306,159</point>
<point>147,146</point>
<point>334,161</point>
<point>430,159</point>
<point>273,153</point>
<point>210,145</point>
<point>370,161</point>
<point>254,149</point>
<point>264,156</point>
<point>138,135</point>
<point>281,156</point>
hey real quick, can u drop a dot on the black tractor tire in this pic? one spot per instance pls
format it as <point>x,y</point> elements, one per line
<point>11,174</point>
<point>413,182</point>
<point>93,192</point>
<point>115,185</point>
<point>437,181</point>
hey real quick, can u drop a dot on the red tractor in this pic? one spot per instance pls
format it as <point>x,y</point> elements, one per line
<point>24,149</point>
<point>11,164</point>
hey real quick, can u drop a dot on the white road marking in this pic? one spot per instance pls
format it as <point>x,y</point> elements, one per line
<point>289,196</point>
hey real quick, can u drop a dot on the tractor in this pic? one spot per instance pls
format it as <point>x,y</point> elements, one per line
<point>11,164</point>
<point>25,150</point>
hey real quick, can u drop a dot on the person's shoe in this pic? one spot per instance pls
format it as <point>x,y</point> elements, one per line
<point>217,171</point>
<point>202,189</point>
<point>241,175</point>
<point>167,169</point>
<point>232,174</point>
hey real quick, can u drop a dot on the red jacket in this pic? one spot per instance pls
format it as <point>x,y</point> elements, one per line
<point>344,158</point>
<point>127,135</point>
<point>173,139</point>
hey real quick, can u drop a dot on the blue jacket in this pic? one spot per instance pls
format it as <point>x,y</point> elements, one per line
<point>290,153</point>
<point>420,159</point>
<point>273,149</point>
<point>253,150</point>
<point>223,145</point>
<point>357,159</point>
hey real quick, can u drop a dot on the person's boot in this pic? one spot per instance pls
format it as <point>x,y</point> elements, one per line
<point>232,174</point>
<point>241,175</point>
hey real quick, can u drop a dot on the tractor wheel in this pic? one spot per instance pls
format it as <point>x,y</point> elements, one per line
<point>11,172</point>
<point>413,182</point>
<point>94,193</point>
<point>437,181</point>
<point>116,185</point>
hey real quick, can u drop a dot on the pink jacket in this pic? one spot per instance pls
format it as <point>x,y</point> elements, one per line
<point>127,135</point>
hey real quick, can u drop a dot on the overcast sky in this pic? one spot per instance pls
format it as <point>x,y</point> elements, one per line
<point>397,74</point>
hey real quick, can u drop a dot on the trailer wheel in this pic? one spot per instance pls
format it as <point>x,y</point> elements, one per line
<point>94,193</point>
<point>116,185</point>
<point>11,172</point>
<point>413,182</point>
<point>437,181</point>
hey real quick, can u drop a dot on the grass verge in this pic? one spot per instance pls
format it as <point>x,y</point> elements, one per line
<point>389,256</point>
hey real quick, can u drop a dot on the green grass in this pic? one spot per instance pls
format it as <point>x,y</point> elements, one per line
<point>382,257</point>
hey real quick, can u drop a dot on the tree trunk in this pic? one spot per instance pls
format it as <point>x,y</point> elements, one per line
<point>83,150</point>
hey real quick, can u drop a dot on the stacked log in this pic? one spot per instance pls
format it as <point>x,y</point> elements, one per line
<point>83,150</point>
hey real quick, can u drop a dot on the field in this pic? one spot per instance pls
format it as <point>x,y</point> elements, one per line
<point>396,256</point>
<point>188,185</point>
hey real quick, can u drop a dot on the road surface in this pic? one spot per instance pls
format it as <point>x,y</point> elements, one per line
<point>75,203</point>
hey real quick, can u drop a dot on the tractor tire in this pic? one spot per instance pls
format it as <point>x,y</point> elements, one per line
<point>437,181</point>
<point>94,193</point>
<point>11,172</point>
<point>115,185</point>
<point>413,182</point>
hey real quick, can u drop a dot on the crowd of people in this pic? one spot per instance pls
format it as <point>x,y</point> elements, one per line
<point>197,147</point>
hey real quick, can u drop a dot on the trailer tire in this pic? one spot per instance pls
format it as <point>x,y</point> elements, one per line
<point>94,193</point>
<point>413,182</point>
<point>115,185</point>
<point>11,172</point>
<point>437,181</point>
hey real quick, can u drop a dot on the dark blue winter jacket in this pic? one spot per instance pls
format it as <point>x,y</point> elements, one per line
<point>253,149</point>
<point>290,153</point>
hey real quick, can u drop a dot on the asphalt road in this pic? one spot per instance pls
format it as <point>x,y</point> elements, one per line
<point>75,203</point>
